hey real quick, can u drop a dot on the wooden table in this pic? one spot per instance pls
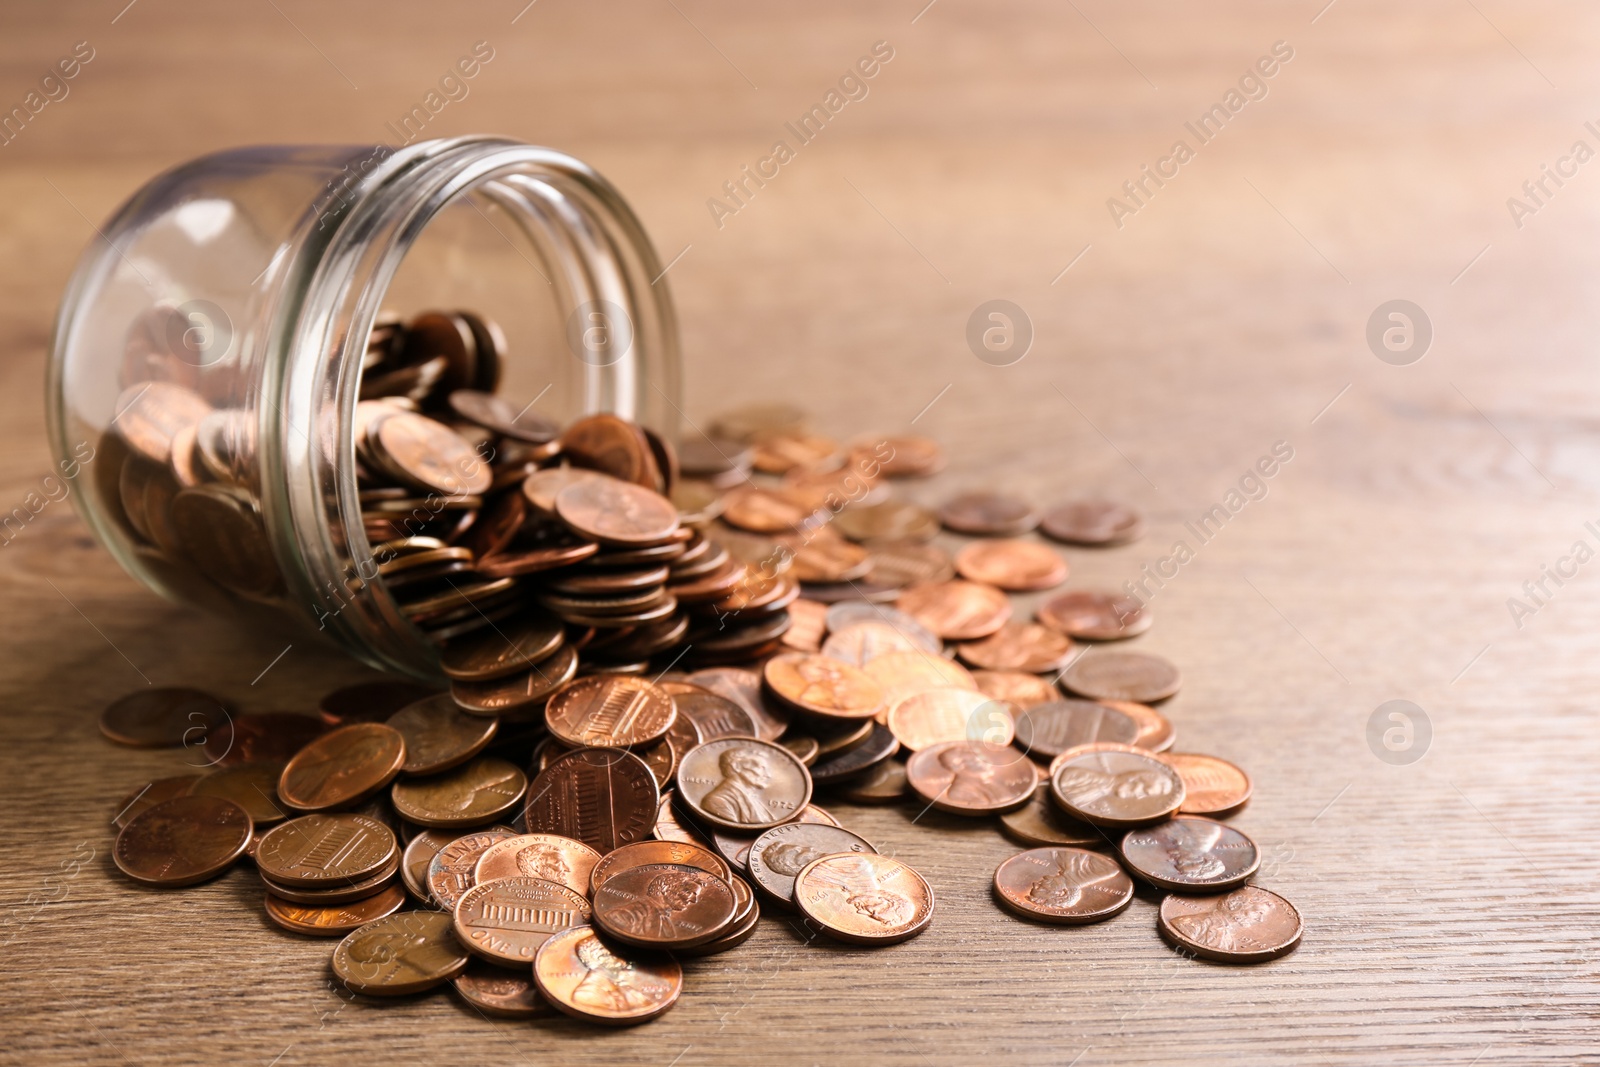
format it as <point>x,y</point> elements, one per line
<point>1450,903</point>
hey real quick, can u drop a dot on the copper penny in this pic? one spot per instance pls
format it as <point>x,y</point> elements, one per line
<point>369,701</point>
<point>150,414</point>
<point>220,529</point>
<point>1136,676</point>
<point>643,852</point>
<point>863,641</point>
<point>609,711</point>
<point>1074,751</point>
<point>1092,522</point>
<point>1156,731</point>
<point>518,695</point>
<point>1095,616</point>
<point>320,851</point>
<point>150,794</point>
<point>500,415</point>
<point>607,443</point>
<point>1041,822</point>
<point>336,894</point>
<point>764,511</point>
<point>454,868</point>
<point>265,737</point>
<point>858,758</point>
<point>342,767</point>
<point>1212,786</point>
<point>805,748</point>
<point>864,898</point>
<point>506,920</point>
<point>439,736</point>
<point>988,514</point>
<point>333,920</point>
<point>822,686</point>
<point>971,777</point>
<point>182,841</point>
<point>252,786</point>
<point>735,847</point>
<point>1248,925</point>
<point>884,784</point>
<point>669,828</point>
<point>1019,646</point>
<point>806,625</point>
<point>604,797</point>
<point>162,718</point>
<point>892,520</point>
<point>743,784</point>
<point>400,954</point>
<point>779,855</point>
<point>418,853</point>
<point>956,610</point>
<point>430,455</point>
<point>1063,885</point>
<point>1190,854</point>
<point>1019,687</point>
<point>475,793</point>
<point>548,856</point>
<point>713,716</point>
<point>503,650</point>
<point>934,716</point>
<point>1016,566</point>
<point>903,456</point>
<point>845,614</point>
<point>543,486</point>
<point>500,993</point>
<point>830,559</point>
<point>664,906</point>
<point>1117,789</point>
<point>896,564</point>
<point>579,975</point>
<point>905,674</point>
<point>780,452</point>
<point>1047,730</point>
<point>615,512</point>
<point>743,687</point>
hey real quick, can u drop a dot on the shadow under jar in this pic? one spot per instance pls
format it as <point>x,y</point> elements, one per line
<point>208,356</point>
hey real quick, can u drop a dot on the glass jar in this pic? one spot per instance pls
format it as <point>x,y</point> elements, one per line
<point>226,308</point>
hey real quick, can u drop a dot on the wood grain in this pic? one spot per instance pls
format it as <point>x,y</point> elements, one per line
<point>1450,905</point>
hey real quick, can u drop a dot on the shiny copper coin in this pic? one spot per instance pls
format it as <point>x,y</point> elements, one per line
<point>604,797</point>
<point>604,442</point>
<point>884,784</point>
<point>1019,646</point>
<point>1190,854</point>
<point>780,452</point>
<point>543,486</point>
<point>830,559</point>
<point>988,514</point>
<point>150,794</point>
<point>1041,822</point>
<point>856,759</point>
<point>1092,522</point>
<point>1074,751</point>
<point>267,737</point>
<point>1095,616</point>
<point>743,784</point>
<point>806,625</point>
<point>760,510</point>
<point>934,716</point>
<point>903,456</point>
<point>664,906</point>
<point>342,767</point>
<point>162,718</point>
<point>642,852</point>
<point>1046,730</point>
<point>454,868</point>
<point>506,920</point>
<point>503,650</point>
<point>1156,731</point>
<point>519,695</point>
<point>1248,925</point>
<point>333,920</point>
<point>252,786</point>
<point>439,736</point>
<point>971,777</point>
<point>615,512</point>
<point>956,610</point>
<point>338,894</point>
<point>1016,566</point>
<point>400,954</point>
<point>1117,789</point>
<point>369,701</point>
<point>1063,885</point>
<point>822,686</point>
<point>892,520</point>
<point>1212,786</point>
<point>743,687</point>
<point>864,898</point>
<point>735,847</point>
<point>1136,676</point>
<point>779,855</point>
<point>182,841</point>
<point>861,642</point>
<point>609,711</point>
<point>905,674</point>
<point>501,993</point>
<point>549,856</point>
<point>429,454</point>
<point>319,851</point>
<point>1020,688</point>
<point>470,795</point>
<point>579,975</point>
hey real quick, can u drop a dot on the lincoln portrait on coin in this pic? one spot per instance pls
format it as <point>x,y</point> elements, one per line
<point>737,797</point>
<point>1226,923</point>
<point>790,858</point>
<point>971,776</point>
<point>656,913</point>
<point>610,983</point>
<point>542,861</point>
<point>881,906</point>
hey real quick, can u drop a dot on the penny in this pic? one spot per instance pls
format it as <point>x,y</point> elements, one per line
<point>512,697</point>
<point>543,486</point>
<point>843,737</point>
<point>757,509</point>
<point>860,642</point>
<point>342,767</point>
<point>664,906</point>
<point>956,610</point>
<point>905,674</point>
<point>1063,885</point>
<point>475,793</point>
<point>864,898</point>
<point>1074,751</point>
<point>934,716</point>
<point>403,953</point>
<point>781,452</point>
<point>615,446</point>
<point>1047,730</point>
<point>1117,789</point>
<point>896,564</point>
<point>822,686</point>
<point>892,520</point>
<point>779,855</point>
<point>879,745</point>
<point>1212,786</point>
<point>988,514</point>
<point>429,455</point>
<point>884,784</point>
<point>1190,854</point>
<point>1092,522</point>
<point>844,614</point>
<point>806,749</point>
<point>343,893</point>
<point>549,856</point>
<point>182,841</point>
<point>1156,731</point>
<point>369,701</point>
<point>319,851</point>
<point>333,920</point>
<point>669,828</point>
<point>604,797</point>
<point>1136,676</point>
<point>162,718</point>
<point>439,736</point>
<point>713,716</point>
<point>904,456</point>
<point>503,650</point>
<point>643,852</point>
<point>500,415</point>
<point>1095,616</point>
<point>609,711</point>
<point>971,777</point>
<point>1041,822</point>
<point>1248,925</point>
<point>743,784</point>
<point>506,920</point>
<point>252,786</point>
<point>418,853</point>
<point>149,415</point>
<point>1020,688</point>
<point>743,687</point>
<point>579,975</point>
<point>266,737</point>
<point>454,868</point>
<point>1019,646</point>
<point>498,992</point>
<point>615,512</point>
<point>150,794</point>
<point>807,625</point>
<point>1016,566</point>
<point>830,559</point>
<point>735,847</point>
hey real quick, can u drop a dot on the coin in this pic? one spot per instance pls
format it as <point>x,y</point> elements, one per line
<point>905,674</point>
<point>475,793</point>
<point>503,650</point>
<point>333,920</point>
<point>252,786</point>
<point>517,695</point>
<point>500,415</point>
<point>1212,786</point>
<point>399,954</point>
<point>643,852</point>
<point>760,510</point>
<point>342,767</point>
<point>500,993</point>
<point>439,736</point>
<point>1041,822</point>
<point>807,625</point>
<point>1248,925</point>
<point>1117,789</point>
<point>777,453</point>
<point>1095,616</point>
<point>1190,854</point>
<point>735,847</point>
<point>956,610</point>
<point>1019,646</point>
<point>883,784</point>
<point>342,893</point>
<point>988,514</point>
<point>822,686</point>
<point>743,784</point>
<point>904,455</point>
<point>1047,730</point>
<point>369,701</point>
<point>150,794</point>
<point>418,853</point>
<point>604,442</point>
<point>604,797</point>
<point>579,975</point>
<point>1063,885</point>
<point>937,715</point>
<point>863,641</point>
<point>892,520</point>
<point>267,737</point>
<point>664,906</point>
<point>454,868</point>
<point>1136,676</point>
<point>743,687</point>
<point>779,855</point>
<point>548,856</point>
<point>1074,751</point>
<point>806,749</point>
<point>1156,731</point>
<point>182,841</point>
<point>896,564</point>
<point>319,851</point>
<point>615,512</point>
<point>971,777</point>
<point>879,745</point>
<point>669,828</point>
<point>162,718</point>
<point>609,711</point>
<point>864,898</point>
<point>507,919</point>
<point>1092,522</point>
<point>1016,566</point>
<point>830,559</point>
<point>429,455</point>
<point>1020,688</point>
<point>150,414</point>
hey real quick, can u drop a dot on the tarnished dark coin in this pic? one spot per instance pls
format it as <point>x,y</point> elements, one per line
<point>439,736</point>
<point>1016,566</point>
<point>220,530</point>
<point>503,650</point>
<point>712,715</point>
<point>1095,616</point>
<point>1092,522</point>
<point>956,610</point>
<point>779,855</point>
<point>500,992</point>
<point>150,794</point>
<point>934,716</point>
<point>616,512</point>
<point>1042,822</point>
<point>400,954</point>
<point>333,920</point>
<point>743,784</point>
<point>500,415</point>
<point>841,766</point>
<point>971,777</point>
<point>1063,885</point>
<point>454,868</point>
<point>735,847</point>
<point>664,906</point>
<point>507,919</point>
<point>320,851</point>
<point>343,767</point>
<point>548,856</point>
<point>583,977</point>
<point>182,841</point>
<point>822,686</point>
<point>265,737</point>
<point>1136,676</point>
<point>252,786</point>
<point>1117,789</point>
<point>163,718</point>
<point>1019,687</point>
<point>609,711</point>
<point>988,514</point>
<point>1019,646</point>
<point>1046,730</point>
<point>418,853</point>
<point>520,695</point>
<point>604,797</point>
<point>478,792</point>
<point>864,898</point>
<point>883,784</point>
<point>369,701</point>
<point>1190,854</point>
<point>1212,786</point>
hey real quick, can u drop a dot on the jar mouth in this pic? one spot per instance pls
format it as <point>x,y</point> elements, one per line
<point>593,253</point>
